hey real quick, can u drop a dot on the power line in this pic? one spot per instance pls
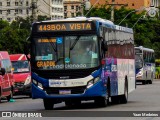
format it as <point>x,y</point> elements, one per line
<point>43,12</point>
<point>47,3</point>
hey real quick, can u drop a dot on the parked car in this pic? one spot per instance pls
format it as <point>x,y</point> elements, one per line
<point>6,76</point>
<point>21,74</point>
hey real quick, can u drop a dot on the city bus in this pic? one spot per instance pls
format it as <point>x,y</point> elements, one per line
<point>79,59</point>
<point>145,64</point>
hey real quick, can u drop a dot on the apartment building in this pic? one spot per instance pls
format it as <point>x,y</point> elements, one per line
<point>73,8</point>
<point>14,9</point>
<point>57,9</point>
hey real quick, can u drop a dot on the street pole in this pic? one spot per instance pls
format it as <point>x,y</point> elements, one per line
<point>34,10</point>
<point>82,14</point>
<point>112,8</point>
<point>112,11</point>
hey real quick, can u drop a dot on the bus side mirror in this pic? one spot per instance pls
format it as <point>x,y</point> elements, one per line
<point>2,71</point>
<point>26,49</point>
<point>104,45</point>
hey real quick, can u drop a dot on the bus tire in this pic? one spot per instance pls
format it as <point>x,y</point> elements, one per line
<point>124,97</point>
<point>150,82</point>
<point>73,103</point>
<point>48,104</point>
<point>115,99</point>
<point>144,82</point>
<point>101,101</point>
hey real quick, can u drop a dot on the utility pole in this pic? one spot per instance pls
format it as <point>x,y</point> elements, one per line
<point>112,11</point>
<point>82,4</point>
<point>34,10</point>
<point>112,8</point>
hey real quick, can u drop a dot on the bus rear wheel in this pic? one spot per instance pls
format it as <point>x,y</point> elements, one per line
<point>115,99</point>
<point>124,97</point>
<point>150,82</point>
<point>144,82</point>
<point>48,104</point>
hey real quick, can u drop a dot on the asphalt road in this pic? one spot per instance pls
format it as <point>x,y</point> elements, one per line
<point>145,99</point>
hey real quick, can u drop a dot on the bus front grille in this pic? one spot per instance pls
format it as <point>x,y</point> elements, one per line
<point>74,90</point>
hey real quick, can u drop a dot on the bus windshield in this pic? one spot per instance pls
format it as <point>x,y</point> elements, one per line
<point>138,61</point>
<point>67,52</point>
<point>20,66</point>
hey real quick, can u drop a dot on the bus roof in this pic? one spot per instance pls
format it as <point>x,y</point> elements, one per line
<point>145,49</point>
<point>103,22</point>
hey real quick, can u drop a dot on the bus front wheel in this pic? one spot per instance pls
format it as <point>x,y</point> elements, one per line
<point>48,104</point>
<point>72,102</point>
<point>102,101</point>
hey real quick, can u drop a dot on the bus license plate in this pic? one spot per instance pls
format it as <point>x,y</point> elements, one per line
<point>64,92</point>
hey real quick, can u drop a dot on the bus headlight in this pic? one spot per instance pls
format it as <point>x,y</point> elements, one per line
<point>140,73</point>
<point>28,80</point>
<point>92,82</point>
<point>37,84</point>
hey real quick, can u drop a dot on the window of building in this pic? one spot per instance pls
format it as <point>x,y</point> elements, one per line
<point>72,14</point>
<point>17,18</point>
<point>27,3</point>
<point>55,16</point>
<point>20,3</point>
<point>0,11</point>
<point>20,11</point>
<point>77,8</point>
<point>8,12</point>
<point>16,3</point>
<point>0,3</point>
<point>65,8</point>
<point>8,3</point>
<point>0,18</point>
<point>65,15</point>
<point>9,19</point>
<point>27,11</point>
<point>16,11</point>
<point>132,4</point>
<point>72,7</point>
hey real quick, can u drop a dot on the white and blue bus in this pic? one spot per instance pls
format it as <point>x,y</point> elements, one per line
<point>145,64</point>
<point>79,59</point>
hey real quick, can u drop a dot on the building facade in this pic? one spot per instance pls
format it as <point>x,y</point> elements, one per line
<point>73,8</point>
<point>132,4</point>
<point>14,9</point>
<point>155,3</point>
<point>57,9</point>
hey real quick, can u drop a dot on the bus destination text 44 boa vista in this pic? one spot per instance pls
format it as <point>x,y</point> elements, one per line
<point>80,58</point>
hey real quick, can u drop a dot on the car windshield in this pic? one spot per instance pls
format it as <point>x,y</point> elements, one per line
<point>67,52</point>
<point>20,66</point>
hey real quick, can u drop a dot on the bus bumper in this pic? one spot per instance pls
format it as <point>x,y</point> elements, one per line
<point>96,90</point>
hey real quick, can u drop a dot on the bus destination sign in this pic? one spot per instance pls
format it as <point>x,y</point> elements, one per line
<point>54,27</point>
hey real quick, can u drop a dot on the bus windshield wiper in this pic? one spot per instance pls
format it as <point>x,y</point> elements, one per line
<point>52,45</point>
<point>76,40</point>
